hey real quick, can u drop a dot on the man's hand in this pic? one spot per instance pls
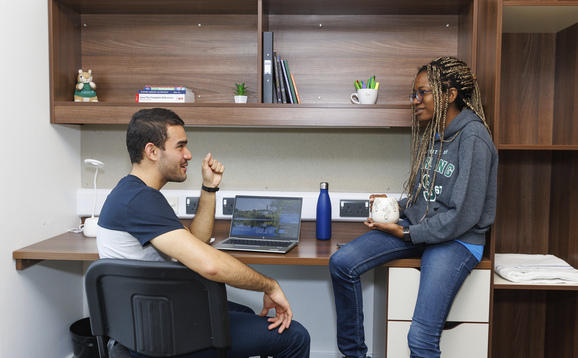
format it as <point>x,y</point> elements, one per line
<point>212,171</point>
<point>283,314</point>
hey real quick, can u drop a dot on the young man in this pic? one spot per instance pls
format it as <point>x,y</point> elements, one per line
<point>137,223</point>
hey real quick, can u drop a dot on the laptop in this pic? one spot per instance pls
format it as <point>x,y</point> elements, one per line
<point>264,224</point>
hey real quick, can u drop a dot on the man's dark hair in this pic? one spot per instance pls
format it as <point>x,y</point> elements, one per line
<point>149,126</point>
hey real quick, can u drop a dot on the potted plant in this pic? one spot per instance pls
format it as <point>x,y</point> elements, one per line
<point>240,93</point>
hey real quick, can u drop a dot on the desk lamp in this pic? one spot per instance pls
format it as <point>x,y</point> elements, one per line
<point>89,228</point>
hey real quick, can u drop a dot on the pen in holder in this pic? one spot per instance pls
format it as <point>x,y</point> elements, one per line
<point>366,94</point>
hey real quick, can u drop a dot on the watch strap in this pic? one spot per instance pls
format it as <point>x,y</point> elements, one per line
<point>210,190</point>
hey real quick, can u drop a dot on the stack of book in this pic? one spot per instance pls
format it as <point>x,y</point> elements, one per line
<point>165,94</point>
<point>278,81</point>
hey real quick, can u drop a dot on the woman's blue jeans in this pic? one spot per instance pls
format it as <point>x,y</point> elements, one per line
<point>251,337</point>
<point>444,267</point>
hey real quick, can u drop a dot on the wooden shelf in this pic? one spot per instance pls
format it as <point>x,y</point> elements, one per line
<point>251,115</point>
<point>502,284</point>
<point>284,7</point>
<point>536,147</point>
<point>539,16</point>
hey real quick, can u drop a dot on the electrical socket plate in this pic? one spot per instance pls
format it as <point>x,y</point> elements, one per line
<point>85,201</point>
<point>174,203</point>
<point>354,208</point>
<point>192,204</point>
<point>228,204</point>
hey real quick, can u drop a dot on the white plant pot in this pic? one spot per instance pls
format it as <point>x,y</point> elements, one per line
<point>240,99</point>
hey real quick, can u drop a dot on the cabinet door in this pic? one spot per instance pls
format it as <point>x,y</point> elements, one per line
<point>472,303</point>
<point>465,340</point>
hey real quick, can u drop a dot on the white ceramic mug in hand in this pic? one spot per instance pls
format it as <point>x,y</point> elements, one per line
<point>364,96</point>
<point>384,210</point>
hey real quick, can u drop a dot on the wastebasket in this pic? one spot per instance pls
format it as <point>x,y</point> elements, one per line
<point>83,342</point>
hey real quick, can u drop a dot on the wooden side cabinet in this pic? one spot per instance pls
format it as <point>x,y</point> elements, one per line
<point>536,133</point>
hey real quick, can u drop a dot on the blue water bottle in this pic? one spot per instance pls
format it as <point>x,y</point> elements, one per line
<point>324,213</point>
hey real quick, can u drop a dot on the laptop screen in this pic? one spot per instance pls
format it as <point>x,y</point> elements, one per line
<point>266,217</point>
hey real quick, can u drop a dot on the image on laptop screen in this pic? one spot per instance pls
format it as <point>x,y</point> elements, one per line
<point>266,217</point>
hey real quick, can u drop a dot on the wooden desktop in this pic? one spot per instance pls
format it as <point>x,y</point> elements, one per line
<point>310,251</point>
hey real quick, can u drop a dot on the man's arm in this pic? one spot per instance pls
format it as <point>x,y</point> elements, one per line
<point>218,266</point>
<point>202,225</point>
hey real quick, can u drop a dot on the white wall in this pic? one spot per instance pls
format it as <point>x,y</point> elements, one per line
<point>352,160</point>
<point>39,176</point>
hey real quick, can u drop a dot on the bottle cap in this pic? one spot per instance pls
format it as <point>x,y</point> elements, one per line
<point>324,185</point>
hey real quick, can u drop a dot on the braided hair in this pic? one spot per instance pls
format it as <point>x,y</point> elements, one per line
<point>443,73</point>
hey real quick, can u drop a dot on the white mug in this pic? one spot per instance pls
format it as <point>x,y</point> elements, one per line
<point>364,96</point>
<point>384,210</point>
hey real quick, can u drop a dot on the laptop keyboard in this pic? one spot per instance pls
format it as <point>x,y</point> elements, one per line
<point>258,242</point>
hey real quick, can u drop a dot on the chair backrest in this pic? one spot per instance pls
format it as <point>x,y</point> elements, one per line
<point>159,309</point>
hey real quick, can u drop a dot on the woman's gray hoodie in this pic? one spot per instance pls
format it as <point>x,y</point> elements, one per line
<point>463,202</point>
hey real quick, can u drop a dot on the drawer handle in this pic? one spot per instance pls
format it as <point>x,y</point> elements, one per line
<point>451,325</point>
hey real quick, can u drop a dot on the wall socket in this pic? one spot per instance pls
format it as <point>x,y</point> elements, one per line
<point>354,208</point>
<point>228,204</point>
<point>192,204</point>
<point>174,203</point>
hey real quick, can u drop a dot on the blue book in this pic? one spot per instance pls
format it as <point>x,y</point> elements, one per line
<point>164,91</point>
<point>164,88</point>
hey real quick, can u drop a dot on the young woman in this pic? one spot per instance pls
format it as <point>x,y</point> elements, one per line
<point>450,205</point>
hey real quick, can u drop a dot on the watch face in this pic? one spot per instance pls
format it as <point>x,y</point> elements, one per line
<point>406,236</point>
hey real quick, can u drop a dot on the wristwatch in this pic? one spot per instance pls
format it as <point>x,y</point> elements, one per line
<point>406,235</point>
<point>210,190</point>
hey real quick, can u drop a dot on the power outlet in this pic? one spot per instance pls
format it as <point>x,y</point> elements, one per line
<point>174,203</point>
<point>228,204</point>
<point>192,204</point>
<point>354,208</point>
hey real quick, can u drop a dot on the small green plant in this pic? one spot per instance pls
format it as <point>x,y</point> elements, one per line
<point>241,90</point>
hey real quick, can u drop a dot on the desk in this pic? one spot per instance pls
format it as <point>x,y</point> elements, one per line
<point>310,251</point>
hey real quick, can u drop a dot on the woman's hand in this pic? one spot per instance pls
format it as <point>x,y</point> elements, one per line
<point>390,228</point>
<point>373,196</point>
<point>372,199</point>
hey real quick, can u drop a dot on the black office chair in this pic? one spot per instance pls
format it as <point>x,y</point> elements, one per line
<point>159,309</point>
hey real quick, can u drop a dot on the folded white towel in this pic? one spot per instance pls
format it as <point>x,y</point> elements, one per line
<point>535,269</point>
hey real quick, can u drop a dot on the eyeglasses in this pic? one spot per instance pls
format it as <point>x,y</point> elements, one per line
<point>418,95</point>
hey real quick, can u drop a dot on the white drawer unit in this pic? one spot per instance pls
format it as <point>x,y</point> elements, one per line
<point>465,340</point>
<point>472,303</point>
<point>466,337</point>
